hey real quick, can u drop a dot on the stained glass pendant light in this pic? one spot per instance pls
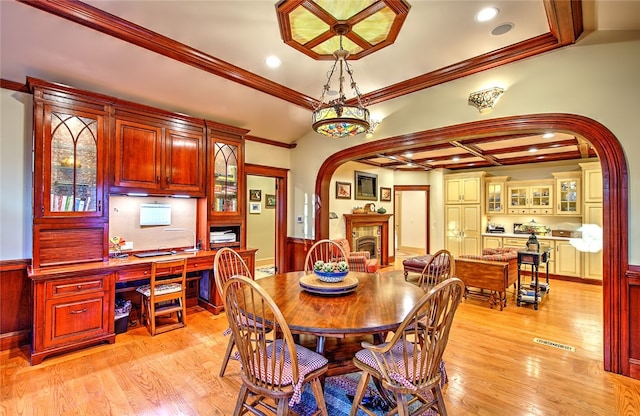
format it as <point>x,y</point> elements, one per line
<point>336,118</point>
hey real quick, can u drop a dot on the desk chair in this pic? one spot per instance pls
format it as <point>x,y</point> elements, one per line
<point>409,364</point>
<point>272,365</point>
<point>440,267</point>
<point>325,250</point>
<point>165,295</point>
<point>226,264</point>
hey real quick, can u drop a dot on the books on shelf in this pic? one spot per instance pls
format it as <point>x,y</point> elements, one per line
<point>62,203</point>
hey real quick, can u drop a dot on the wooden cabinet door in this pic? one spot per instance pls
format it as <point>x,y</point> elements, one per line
<point>184,162</point>
<point>568,261</point>
<point>226,181</point>
<point>137,155</point>
<point>491,242</point>
<point>463,234</point>
<point>592,235</point>
<point>568,196</point>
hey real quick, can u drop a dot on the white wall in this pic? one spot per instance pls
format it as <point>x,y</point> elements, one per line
<point>15,175</point>
<point>573,80</point>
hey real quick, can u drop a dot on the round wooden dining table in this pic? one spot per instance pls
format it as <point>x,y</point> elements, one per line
<point>378,305</point>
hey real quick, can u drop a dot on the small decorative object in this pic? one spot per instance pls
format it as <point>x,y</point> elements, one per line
<point>532,243</point>
<point>358,210</point>
<point>381,210</point>
<point>370,207</point>
<point>331,272</point>
<point>116,244</point>
<point>68,162</point>
<point>385,194</point>
<point>270,201</point>
<point>343,190</point>
<point>255,195</point>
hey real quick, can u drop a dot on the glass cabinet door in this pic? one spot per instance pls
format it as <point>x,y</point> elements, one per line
<point>568,196</point>
<point>225,178</point>
<point>518,197</point>
<point>494,197</point>
<point>541,196</point>
<point>73,149</point>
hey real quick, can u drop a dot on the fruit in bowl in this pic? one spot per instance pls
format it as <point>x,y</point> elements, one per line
<point>331,272</point>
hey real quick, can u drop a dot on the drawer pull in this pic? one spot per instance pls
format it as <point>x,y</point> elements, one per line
<point>80,311</point>
<point>79,287</point>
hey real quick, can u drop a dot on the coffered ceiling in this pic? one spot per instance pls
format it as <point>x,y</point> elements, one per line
<point>207,59</point>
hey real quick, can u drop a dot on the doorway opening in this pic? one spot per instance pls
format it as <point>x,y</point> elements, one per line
<point>619,331</point>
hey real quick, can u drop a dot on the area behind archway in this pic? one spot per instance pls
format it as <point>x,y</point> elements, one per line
<point>616,317</point>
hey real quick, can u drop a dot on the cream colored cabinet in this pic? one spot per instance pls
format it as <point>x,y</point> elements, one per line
<point>591,182</point>
<point>530,198</point>
<point>592,239</point>
<point>491,242</point>
<point>463,229</point>
<point>495,195</point>
<point>463,188</point>
<point>568,193</point>
<point>568,261</point>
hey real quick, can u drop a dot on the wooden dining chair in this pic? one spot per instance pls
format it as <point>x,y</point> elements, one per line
<point>409,364</point>
<point>226,264</point>
<point>440,267</point>
<point>272,366</point>
<point>325,250</point>
<point>165,295</point>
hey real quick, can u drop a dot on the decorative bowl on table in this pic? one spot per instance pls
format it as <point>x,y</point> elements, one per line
<point>331,272</point>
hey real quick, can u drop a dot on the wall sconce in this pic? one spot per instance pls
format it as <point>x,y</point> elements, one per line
<point>485,100</point>
<point>333,215</point>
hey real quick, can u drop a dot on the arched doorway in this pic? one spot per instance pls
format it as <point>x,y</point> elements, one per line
<point>616,317</point>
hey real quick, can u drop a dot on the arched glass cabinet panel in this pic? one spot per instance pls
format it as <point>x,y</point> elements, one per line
<point>73,164</point>
<point>226,191</point>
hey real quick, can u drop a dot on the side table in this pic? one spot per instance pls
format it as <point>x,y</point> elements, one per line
<point>533,259</point>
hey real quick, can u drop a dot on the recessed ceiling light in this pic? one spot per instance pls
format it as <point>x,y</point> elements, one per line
<point>455,158</point>
<point>533,150</point>
<point>272,61</point>
<point>502,29</point>
<point>547,135</point>
<point>487,14</point>
<point>408,154</point>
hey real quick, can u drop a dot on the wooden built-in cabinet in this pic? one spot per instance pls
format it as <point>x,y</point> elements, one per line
<point>158,155</point>
<point>226,194</point>
<point>530,197</point>
<point>463,212</point>
<point>495,194</point>
<point>592,219</point>
<point>568,193</point>
<point>463,188</point>
<point>71,312</point>
<point>70,219</point>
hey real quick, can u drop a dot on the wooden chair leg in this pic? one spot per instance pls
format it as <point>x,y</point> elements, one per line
<point>360,391</point>
<point>316,387</point>
<point>442,410</point>
<point>242,397</point>
<point>227,355</point>
<point>283,407</point>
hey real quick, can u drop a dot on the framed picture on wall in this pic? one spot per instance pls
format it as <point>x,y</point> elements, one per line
<point>255,195</point>
<point>269,201</point>
<point>366,186</point>
<point>255,208</point>
<point>343,190</point>
<point>385,194</point>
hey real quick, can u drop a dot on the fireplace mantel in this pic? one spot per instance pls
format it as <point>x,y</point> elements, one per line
<point>370,220</point>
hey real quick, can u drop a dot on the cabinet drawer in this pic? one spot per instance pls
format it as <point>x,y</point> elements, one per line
<point>199,264</point>
<point>519,211</point>
<point>515,242</point>
<point>542,211</point>
<point>134,273</point>
<point>76,286</point>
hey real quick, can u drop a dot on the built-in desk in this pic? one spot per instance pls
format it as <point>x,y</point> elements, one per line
<point>74,305</point>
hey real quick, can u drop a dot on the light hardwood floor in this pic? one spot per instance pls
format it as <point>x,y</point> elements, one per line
<point>494,367</point>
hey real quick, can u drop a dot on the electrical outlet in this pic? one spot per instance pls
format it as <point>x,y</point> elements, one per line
<point>299,219</point>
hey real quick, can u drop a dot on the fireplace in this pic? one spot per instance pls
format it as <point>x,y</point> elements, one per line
<point>369,232</point>
<point>368,243</point>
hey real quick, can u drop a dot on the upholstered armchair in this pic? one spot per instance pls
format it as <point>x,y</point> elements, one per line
<point>359,261</point>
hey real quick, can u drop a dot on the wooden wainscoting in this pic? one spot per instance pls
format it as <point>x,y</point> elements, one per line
<point>15,304</point>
